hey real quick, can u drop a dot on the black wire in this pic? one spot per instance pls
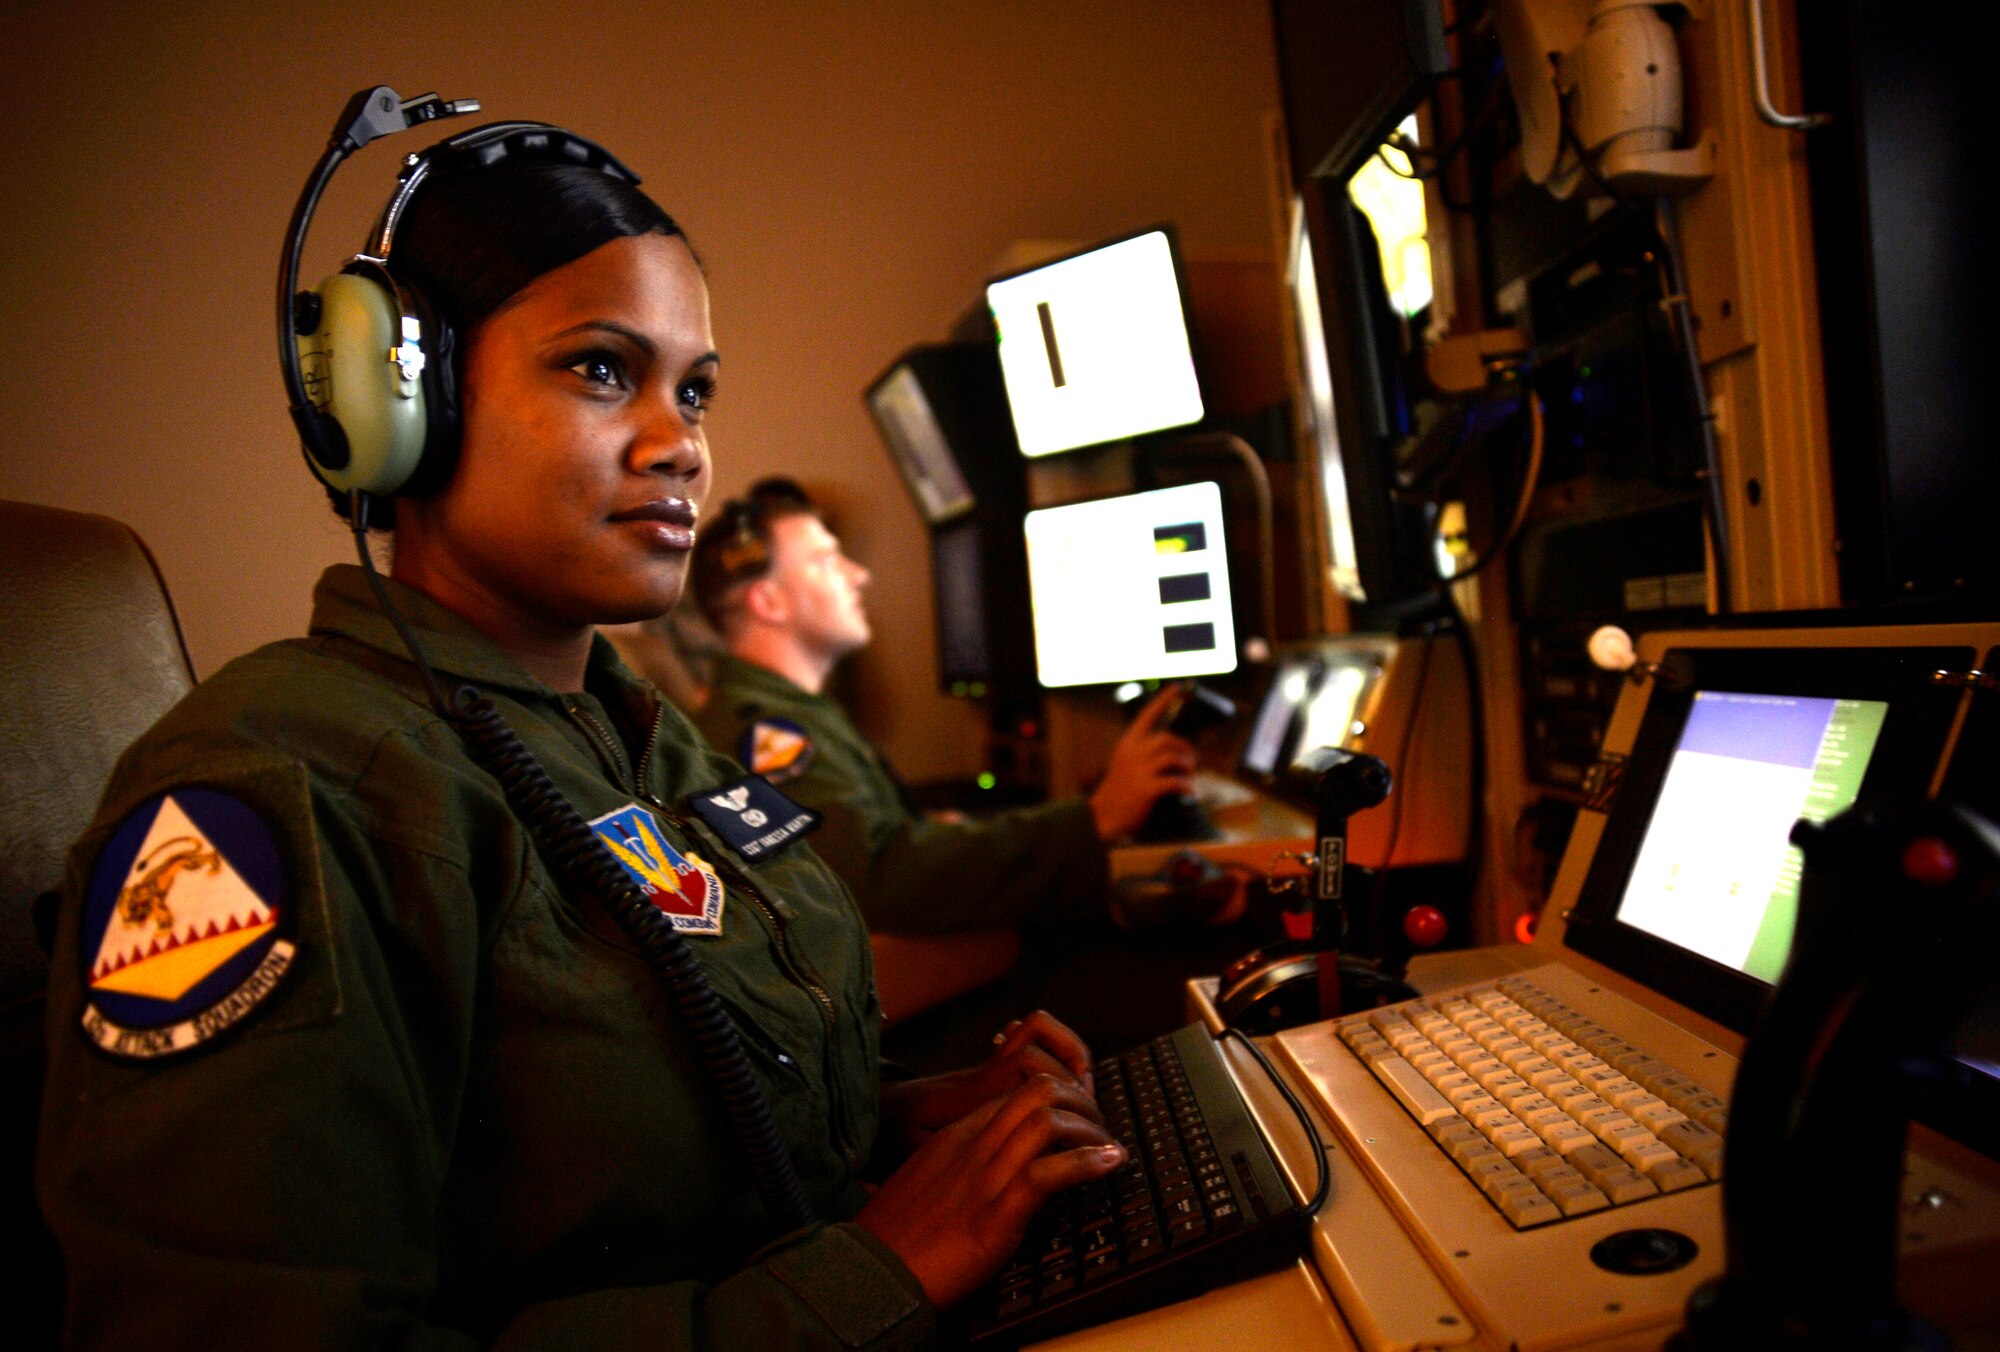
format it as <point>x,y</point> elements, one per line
<point>559,828</point>
<point>1320,1193</point>
<point>1512,531</point>
<point>1403,752</point>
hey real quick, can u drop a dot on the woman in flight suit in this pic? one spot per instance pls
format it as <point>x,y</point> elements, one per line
<point>340,1056</point>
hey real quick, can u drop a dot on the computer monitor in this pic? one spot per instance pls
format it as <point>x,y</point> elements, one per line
<point>1715,873</point>
<point>1694,881</point>
<point>1131,588</point>
<point>916,439</point>
<point>1096,347</point>
<point>1315,699</point>
<point>1355,404</point>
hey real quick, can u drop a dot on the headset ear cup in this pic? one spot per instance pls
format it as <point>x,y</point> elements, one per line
<point>354,381</point>
<point>441,434</point>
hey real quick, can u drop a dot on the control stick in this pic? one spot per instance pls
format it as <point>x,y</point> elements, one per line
<point>1899,917</point>
<point>1305,977</point>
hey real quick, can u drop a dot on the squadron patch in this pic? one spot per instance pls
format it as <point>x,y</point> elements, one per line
<point>186,928</point>
<point>684,886</point>
<point>777,749</point>
<point>752,818</point>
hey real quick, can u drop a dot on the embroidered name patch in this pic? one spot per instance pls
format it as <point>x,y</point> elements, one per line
<point>752,818</point>
<point>683,886</point>
<point>186,928</point>
<point>777,749</point>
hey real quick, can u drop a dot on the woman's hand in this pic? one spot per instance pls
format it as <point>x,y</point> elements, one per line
<point>960,1207</point>
<point>1037,1045</point>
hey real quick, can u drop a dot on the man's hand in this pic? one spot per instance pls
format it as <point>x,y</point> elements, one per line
<point>1147,762</point>
<point>1039,1045</point>
<point>961,1205</point>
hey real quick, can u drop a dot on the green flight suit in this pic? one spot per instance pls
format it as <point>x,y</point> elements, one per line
<point>910,875</point>
<point>465,1115</point>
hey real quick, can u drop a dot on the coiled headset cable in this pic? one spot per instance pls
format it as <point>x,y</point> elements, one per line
<point>561,830</point>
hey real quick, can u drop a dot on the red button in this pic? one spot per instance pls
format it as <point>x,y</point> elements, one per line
<point>1425,926</point>
<point>1930,861</point>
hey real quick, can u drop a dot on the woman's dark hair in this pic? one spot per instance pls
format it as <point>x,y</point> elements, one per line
<point>472,237</point>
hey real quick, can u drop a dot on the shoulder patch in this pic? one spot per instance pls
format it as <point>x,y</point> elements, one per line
<point>776,748</point>
<point>753,819</point>
<point>186,928</point>
<point>684,886</point>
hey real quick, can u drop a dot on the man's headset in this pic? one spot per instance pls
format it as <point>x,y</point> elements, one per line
<point>369,363</point>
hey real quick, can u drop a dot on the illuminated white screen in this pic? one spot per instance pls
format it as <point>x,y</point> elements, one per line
<point>1132,588</point>
<point>1716,873</point>
<point>1095,348</point>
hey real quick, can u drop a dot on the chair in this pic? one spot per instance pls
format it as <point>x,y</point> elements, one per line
<point>90,655</point>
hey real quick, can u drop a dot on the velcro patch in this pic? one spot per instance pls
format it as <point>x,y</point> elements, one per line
<point>753,819</point>
<point>777,749</point>
<point>684,887</point>
<point>186,926</point>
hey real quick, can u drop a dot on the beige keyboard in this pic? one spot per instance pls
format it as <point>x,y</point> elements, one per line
<point>1549,1113</point>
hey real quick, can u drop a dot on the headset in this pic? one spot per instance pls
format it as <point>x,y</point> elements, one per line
<point>370,365</point>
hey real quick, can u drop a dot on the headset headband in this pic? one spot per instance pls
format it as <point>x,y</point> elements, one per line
<point>488,147</point>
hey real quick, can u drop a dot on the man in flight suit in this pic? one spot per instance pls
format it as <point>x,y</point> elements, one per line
<point>773,580</point>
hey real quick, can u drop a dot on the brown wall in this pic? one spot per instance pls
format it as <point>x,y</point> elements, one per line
<point>847,170</point>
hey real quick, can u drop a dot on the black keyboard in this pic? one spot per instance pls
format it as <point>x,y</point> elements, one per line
<point>1200,1203</point>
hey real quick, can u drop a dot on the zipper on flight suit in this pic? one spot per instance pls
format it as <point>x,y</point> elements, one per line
<point>794,966</point>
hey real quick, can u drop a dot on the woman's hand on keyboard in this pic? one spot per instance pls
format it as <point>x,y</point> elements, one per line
<point>1040,1044</point>
<point>960,1206</point>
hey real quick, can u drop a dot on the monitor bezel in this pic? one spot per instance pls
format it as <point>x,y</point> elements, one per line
<point>1187,323</point>
<point>1912,738</point>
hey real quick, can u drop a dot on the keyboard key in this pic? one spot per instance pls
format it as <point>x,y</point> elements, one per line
<point>1655,1113</point>
<point>1016,1301</point>
<point>1056,1284</point>
<point>1673,1174</point>
<point>1540,1163</point>
<point>1575,1196</point>
<point>1187,1231</point>
<point>1566,1137</point>
<point>1413,1091</point>
<point>1528,1208</point>
<point>1701,1146</point>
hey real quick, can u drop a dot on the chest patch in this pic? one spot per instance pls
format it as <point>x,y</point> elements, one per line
<point>186,929</point>
<point>683,886</point>
<point>753,819</point>
<point>777,749</point>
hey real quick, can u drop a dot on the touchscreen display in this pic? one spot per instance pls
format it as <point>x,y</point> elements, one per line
<point>1716,873</point>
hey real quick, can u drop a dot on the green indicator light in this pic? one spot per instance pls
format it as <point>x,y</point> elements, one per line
<point>986,779</point>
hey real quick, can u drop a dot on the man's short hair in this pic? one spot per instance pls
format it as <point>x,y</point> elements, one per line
<point>734,549</point>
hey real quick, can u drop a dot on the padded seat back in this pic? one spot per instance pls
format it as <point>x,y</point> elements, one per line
<point>90,656</point>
